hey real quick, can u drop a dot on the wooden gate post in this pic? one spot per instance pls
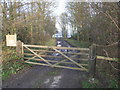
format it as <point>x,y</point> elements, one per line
<point>92,61</point>
<point>19,48</point>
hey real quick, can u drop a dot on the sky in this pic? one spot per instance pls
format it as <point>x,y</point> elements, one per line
<point>61,4</point>
<point>60,8</point>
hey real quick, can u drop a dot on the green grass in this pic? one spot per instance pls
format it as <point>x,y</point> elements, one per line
<point>11,69</point>
<point>113,84</point>
<point>87,84</point>
<point>80,44</point>
<point>51,42</point>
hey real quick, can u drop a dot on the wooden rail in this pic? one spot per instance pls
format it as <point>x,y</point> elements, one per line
<point>108,59</point>
<point>59,57</point>
<point>57,62</point>
<point>85,49</point>
<point>38,56</point>
<point>57,66</point>
<point>62,52</point>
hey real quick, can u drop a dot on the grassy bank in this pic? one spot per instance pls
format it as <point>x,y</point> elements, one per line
<point>76,43</point>
<point>51,42</point>
<point>12,63</point>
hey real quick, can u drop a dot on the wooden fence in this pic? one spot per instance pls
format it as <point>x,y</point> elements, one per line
<point>83,58</point>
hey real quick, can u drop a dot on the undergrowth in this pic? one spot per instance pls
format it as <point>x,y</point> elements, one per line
<point>12,63</point>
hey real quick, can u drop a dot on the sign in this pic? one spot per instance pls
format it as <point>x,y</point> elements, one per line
<point>11,40</point>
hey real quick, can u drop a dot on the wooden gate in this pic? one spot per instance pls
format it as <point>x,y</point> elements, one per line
<point>61,57</point>
<point>83,59</point>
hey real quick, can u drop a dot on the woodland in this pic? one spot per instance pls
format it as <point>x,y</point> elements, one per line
<point>92,22</point>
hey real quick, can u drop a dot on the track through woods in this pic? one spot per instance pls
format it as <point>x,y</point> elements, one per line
<point>47,77</point>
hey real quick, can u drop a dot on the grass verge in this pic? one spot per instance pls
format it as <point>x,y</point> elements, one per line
<point>76,43</point>
<point>51,42</point>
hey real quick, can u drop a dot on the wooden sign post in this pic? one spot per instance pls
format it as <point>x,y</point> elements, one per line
<point>11,40</point>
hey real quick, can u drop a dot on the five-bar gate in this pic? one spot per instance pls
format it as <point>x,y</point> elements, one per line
<point>62,57</point>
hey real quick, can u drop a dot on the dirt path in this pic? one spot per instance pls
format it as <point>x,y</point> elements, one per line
<point>46,77</point>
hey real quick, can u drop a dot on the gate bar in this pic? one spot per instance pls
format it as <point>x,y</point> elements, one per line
<point>70,59</point>
<point>86,49</point>
<point>38,56</point>
<point>57,66</point>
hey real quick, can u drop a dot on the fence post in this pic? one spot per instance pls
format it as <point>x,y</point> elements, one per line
<point>19,48</point>
<point>92,62</point>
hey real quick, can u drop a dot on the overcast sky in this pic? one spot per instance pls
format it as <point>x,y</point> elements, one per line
<point>58,11</point>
